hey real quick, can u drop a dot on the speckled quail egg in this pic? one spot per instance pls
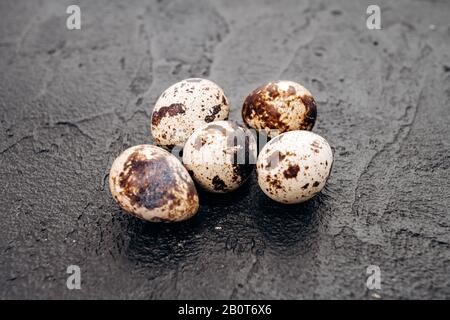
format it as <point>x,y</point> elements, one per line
<point>280,105</point>
<point>294,166</point>
<point>220,156</point>
<point>185,106</point>
<point>152,184</point>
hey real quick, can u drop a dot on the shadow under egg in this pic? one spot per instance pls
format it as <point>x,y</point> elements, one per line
<point>288,225</point>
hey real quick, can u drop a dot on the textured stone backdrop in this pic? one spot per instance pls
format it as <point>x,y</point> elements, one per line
<point>70,101</point>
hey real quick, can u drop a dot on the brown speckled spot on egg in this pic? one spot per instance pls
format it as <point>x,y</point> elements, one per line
<point>258,105</point>
<point>311,112</point>
<point>172,110</point>
<point>218,184</point>
<point>316,144</point>
<point>272,89</point>
<point>316,183</point>
<point>147,182</point>
<point>212,113</point>
<point>274,183</point>
<point>291,171</point>
<point>291,90</point>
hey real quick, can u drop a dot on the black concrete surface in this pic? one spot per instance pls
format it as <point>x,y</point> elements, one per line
<point>70,101</point>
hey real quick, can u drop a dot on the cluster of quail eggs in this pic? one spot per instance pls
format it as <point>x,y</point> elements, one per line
<point>219,155</point>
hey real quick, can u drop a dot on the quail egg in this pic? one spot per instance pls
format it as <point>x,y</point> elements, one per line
<point>294,166</point>
<point>280,106</point>
<point>185,106</point>
<point>220,156</point>
<point>152,184</point>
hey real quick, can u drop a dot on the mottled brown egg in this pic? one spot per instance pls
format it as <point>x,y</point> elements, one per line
<point>220,156</point>
<point>152,184</point>
<point>185,106</point>
<point>280,105</point>
<point>294,166</point>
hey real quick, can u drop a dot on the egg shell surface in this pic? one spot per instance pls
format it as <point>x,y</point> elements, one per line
<point>294,166</point>
<point>152,184</point>
<point>280,105</point>
<point>185,106</point>
<point>220,156</point>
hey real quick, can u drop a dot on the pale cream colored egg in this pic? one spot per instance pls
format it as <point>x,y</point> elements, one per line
<point>220,156</point>
<point>152,184</point>
<point>185,106</point>
<point>294,166</point>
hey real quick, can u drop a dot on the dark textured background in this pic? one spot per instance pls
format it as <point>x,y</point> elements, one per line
<point>70,101</point>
